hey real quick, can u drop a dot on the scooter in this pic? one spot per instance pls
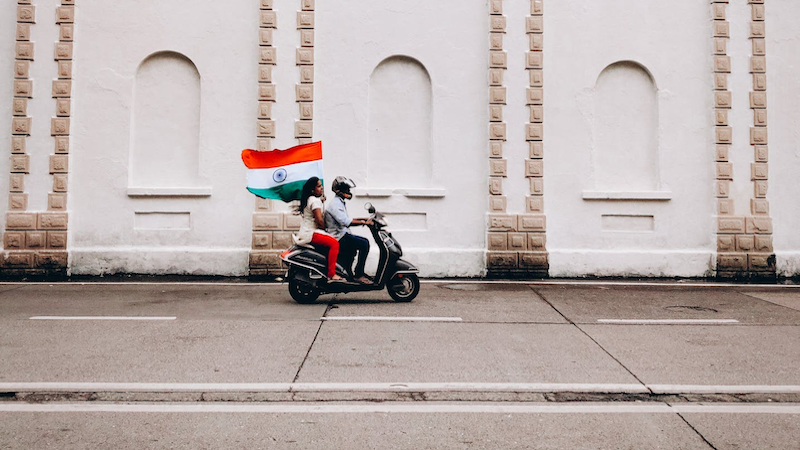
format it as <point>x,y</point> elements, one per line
<point>307,265</point>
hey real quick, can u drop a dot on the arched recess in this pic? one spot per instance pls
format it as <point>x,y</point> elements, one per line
<point>166,123</point>
<point>625,129</point>
<point>400,115</point>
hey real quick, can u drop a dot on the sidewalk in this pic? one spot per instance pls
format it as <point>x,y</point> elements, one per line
<point>459,340</point>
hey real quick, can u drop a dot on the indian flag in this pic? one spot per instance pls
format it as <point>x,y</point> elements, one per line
<point>280,174</point>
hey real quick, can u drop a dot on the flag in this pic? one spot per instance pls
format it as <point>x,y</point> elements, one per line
<point>280,174</point>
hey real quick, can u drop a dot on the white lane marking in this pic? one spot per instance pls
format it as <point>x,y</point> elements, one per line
<point>101,318</point>
<point>723,389</point>
<point>397,387</point>
<point>404,407</point>
<point>667,321</point>
<point>392,319</point>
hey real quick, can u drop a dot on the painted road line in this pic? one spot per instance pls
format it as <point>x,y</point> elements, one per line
<point>405,408</point>
<point>668,321</point>
<point>144,387</point>
<point>392,319</point>
<point>100,318</point>
<point>723,389</point>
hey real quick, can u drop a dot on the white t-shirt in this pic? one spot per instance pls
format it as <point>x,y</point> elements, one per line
<point>308,226</point>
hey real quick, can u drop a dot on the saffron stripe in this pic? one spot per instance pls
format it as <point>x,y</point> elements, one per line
<point>278,158</point>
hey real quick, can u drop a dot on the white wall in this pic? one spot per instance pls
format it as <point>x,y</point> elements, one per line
<point>8,21</point>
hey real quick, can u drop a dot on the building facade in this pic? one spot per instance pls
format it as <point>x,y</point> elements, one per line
<point>556,138</point>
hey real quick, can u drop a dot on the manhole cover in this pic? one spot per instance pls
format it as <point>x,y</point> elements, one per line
<point>690,308</point>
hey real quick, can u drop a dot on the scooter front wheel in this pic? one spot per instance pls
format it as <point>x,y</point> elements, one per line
<point>302,293</point>
<point>403,287</point>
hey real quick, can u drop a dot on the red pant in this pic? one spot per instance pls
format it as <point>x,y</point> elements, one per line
<point>333,250</point>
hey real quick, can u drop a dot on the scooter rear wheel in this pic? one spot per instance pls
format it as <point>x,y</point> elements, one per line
<point>302,293</point>
<point>404,287</point>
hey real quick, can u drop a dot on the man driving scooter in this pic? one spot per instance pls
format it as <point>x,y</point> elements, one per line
<point>338,222</point>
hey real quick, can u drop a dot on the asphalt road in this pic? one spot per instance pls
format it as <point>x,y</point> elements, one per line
<point>466,365</point>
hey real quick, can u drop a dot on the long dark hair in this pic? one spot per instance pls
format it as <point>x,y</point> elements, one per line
<point>308,191</point>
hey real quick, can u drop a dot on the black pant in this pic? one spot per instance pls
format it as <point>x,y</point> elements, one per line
<point>349,245</point>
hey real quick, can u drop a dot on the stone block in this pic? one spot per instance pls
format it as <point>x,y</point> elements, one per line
<point>51,260</point>
<point>534,167</point>
<point>20,221</point>
<point>760,187</point>
<point>722,29</point>
<point>16,182</point>
<point>267,221</point>
<point>534,24</point>
<point>303,129</point>
<point>537,186</point>
<point>63,107</point>
<point>496,77</point>
<point>306,74</point>
<point>725,206</point>
<point>721,81</point>
<point>518,241</point>
<point>268,55</point>
<point>496,7</point>
<point>763,243</point>
<point>264,73</point>
<point>19,260</point>
<point>21,126</point>
<point>62,88</point>
<point>266,4</point>
<point>57,202</point>
<point>17,201</point>
<point>497,24</point>
<point>758,136</point>
<point>537,241</point>
<point>731,262</point>
<point>18,144</point>
<point>497,203</point>
<point>495,186</point>
<point>266,92</point>
<point>537,114</point>
<point>498,59</point>
<point>35,240</point>
<point>495,149</point>
<point>19,107</point>
<point>745,243</point>
<point>306,111</point>
<point>305,56</point>
<point>761,263</point>
<point>282,240</point>
<point>52,221</point>
<point>65,69</point>
<point>722,64</point>
<point>534,261</point>
<point>759,171</point>
<point>22,69</point>
<point>23,88</point>
<point>268,19</point>
<point>759,207</point>
<point>759,47</point>
<point>724,171</point>
<point>26,13</point>
<point>757,11</point>
<point>20,164</point>
<point>306,38</point>
<point>65,14</point>
<point>57,239</point>
<point>304,93</point>
<point>724,135</point>
<point>264,110</point>
<point>265,37</point>
<point>59,126</point>
<point>60,182</point>
<point>497,131</point>
<point>498,167</point>
<point>721,117</point>
<point>532,222</point>
<point>718,10</point>
<point>495,113</point>
<point>59,164</point>
<point>758,100</point>
<point>305,19</point>
<point>536,42</point>
<point>266,128</point>
<point>501,260</point>
<point>14,240</point>
<point>759,225</point>
<point>722,99</point>
<point>534,204</point>
<point>23,32</point>
<point>303,141</point>
<point>66,32</point>
<point>535,149</point>
<point>63,51</point>
<point>262,241</point>
<point>730,225</point>
<point>535,96</point>
<point>263,204</point>
<point>534,60</point>
<point>24,51</point>
<point>497,95</point>
<point>720,46</point>
<point>726,243</point>
<point>760,117</point>
<point>536,78</point>
<point>266,259</point>
<point>497,241</point>
<point>534,132</point>
<point>307,5</point>
<point>502,222</point>
<point>761,153</point>
<point>758,30</point>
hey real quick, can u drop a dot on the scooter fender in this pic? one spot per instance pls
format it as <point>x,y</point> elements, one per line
<point>402,266</point>
<point>306,258</point>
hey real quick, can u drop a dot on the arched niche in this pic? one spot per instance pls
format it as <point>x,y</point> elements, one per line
<point>625,129</point>
<point>400,129</point>
<point>166,123</point>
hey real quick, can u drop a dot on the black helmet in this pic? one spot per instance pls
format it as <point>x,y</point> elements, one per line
<point>342,184</point>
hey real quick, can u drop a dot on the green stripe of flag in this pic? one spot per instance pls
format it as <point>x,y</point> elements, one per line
<point>285,192</point>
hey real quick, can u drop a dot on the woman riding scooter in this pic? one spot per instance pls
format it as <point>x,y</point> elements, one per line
<point>337,224</point>
<point>312,226</point>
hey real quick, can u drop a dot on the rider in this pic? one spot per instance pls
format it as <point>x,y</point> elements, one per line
<point>338,222</point>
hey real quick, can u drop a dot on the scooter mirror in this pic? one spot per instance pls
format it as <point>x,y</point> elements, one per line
<point>368,206</point>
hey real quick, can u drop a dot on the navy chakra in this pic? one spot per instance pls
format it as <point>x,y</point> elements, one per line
<point>279,175</point>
